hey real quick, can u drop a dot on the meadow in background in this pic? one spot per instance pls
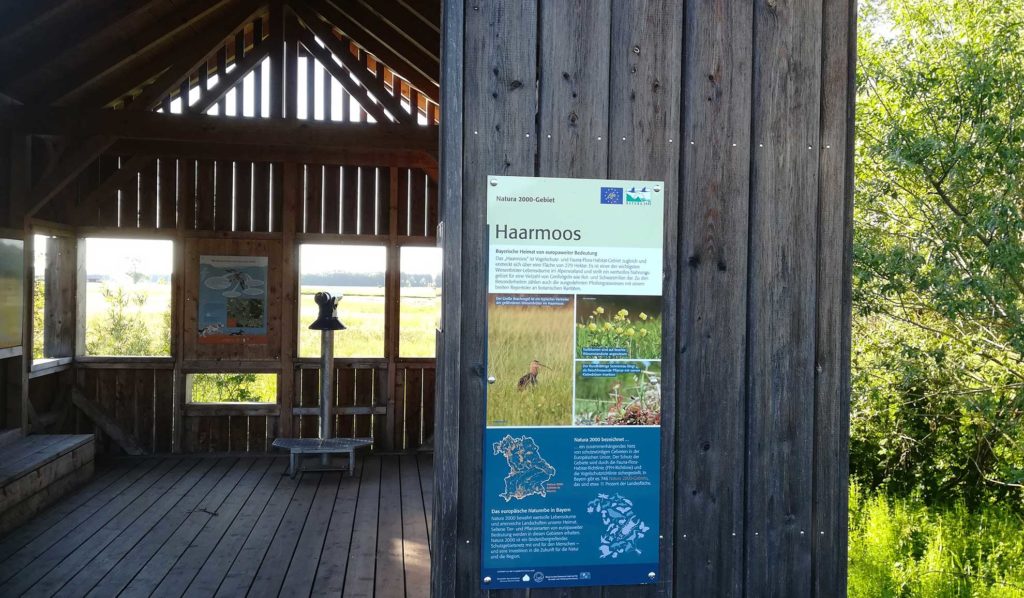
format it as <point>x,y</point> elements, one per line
<point>517,335</point>
<point>619,322</point>
<point>625,399</point>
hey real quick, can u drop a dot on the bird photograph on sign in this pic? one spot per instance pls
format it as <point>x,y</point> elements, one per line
<point>532,366</point>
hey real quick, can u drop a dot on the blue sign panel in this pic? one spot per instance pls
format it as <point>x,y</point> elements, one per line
<point>572,441</point>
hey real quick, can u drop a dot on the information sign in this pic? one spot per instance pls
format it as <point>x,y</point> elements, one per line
<point>572,439</point>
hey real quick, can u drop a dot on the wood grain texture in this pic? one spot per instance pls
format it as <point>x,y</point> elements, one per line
<point>781,296</point>
<point>832,336</point>
<point>573,80</point>
<point>712,310</point>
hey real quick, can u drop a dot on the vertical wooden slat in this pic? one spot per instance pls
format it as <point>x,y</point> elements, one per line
<point>107,210</point>
<point>309,395</point>
<point>349,199</point>
<point>332,199</point>
<point>291,67</point>
<point>345,398</point>
<point>574,74</point>
<point>413,408</point>
<point>148,195</point>
<point>163,386</point>
<point>328,100</point>
<point>261,197</point>
<point>290,178</point>
<point>713,242</point>
<point>167,193</point>
<point>432,207</point>
<point>498,90</point>
<point>222,67</point>
<point>644,112</point>
<point>257,434</point>
<point>257,99</point>
<point>364,378</point>
<point>384,199</point>
<point>314,197</point>
<point>833,309</point>
<point>418,198</point>
<point>278,58</point>
<point>145,401</point>
<point>367,200</point>
<point>310,87</point>
<point>224,197</point>
<point>204,195</point>
<point>128,203</point>
<point>429,379</point>
<point>277,200</point>
<point>240,88</point>
<point>403,201</point>
<point>243,196</point>
<point>781,297</point>
<point>238,433</point>
<point>187,194</point>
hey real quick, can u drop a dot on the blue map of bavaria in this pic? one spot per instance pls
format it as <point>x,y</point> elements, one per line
<point>528,472</point>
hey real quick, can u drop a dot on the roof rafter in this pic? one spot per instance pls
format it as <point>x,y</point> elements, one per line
<point>106,53</point>
<point>351,64</point>
<point>425,78</point>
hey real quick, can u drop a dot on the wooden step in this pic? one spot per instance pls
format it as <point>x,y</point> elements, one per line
<point>9,436</point>
<point>37,470</point>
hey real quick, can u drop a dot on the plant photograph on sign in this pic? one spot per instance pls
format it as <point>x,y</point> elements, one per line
<point>618,327</point>
<point>529,354</point>
<point>618,393</point>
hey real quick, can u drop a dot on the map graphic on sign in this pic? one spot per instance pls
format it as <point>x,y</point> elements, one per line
<point>528,472</point>
<point>623,529</point>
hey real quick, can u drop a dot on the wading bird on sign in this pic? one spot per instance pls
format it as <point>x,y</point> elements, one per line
<point>530,378</point>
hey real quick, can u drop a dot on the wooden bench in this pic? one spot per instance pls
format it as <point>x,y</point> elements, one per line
<point>35,471</point>
<point>299,447</point>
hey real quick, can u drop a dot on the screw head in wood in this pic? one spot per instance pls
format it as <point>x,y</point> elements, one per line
<point>494,182</point>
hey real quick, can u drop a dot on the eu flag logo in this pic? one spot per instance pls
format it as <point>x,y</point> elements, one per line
<point>611,195</point>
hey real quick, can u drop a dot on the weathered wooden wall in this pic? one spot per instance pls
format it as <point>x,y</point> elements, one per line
<point>744,109</point>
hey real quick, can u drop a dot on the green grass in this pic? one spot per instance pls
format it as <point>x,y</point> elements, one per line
<point>899,547</point>
<point>516,336</point>
<point>361,310</point>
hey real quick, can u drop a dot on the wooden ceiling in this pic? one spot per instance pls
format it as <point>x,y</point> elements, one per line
<point>95,53</point>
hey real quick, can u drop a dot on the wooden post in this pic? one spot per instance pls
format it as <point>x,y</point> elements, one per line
<point>289,294</point>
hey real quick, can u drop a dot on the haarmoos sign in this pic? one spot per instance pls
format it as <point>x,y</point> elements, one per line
<point>572,438</point>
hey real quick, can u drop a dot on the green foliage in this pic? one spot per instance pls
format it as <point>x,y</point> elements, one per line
<point>38,309</point>
<point>938,357</point>
<point>901,547</point>
<point>123,329</point>
<point>234,388</point>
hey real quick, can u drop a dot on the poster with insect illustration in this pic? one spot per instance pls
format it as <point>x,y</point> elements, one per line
<point>232,299</point>
<point>573,402</point>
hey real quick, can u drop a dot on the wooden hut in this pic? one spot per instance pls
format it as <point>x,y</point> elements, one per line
<point>263,129</point>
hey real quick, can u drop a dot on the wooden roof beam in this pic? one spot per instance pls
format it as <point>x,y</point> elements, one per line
<point>357,92</point>
<point>227,81</point>
<point>112,51</point>
<point>347,153</point>
<point>154,126</point>
<point>407,24</point>
<point>183,62</point>
<point>425,78</point>
<point>369,82</point>
<point>27,49</point>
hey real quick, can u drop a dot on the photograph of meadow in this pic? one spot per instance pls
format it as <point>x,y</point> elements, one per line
<point>620,399</point>
<point>529,353</point>
<point>618,327</point>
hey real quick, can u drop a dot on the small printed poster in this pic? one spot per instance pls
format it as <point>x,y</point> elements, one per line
<point>572,443</point>
<point>232,299</point>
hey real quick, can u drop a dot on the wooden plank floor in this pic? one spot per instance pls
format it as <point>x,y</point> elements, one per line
<point>230,526</point>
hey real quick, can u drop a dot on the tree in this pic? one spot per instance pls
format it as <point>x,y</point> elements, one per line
<point>938,397</point>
